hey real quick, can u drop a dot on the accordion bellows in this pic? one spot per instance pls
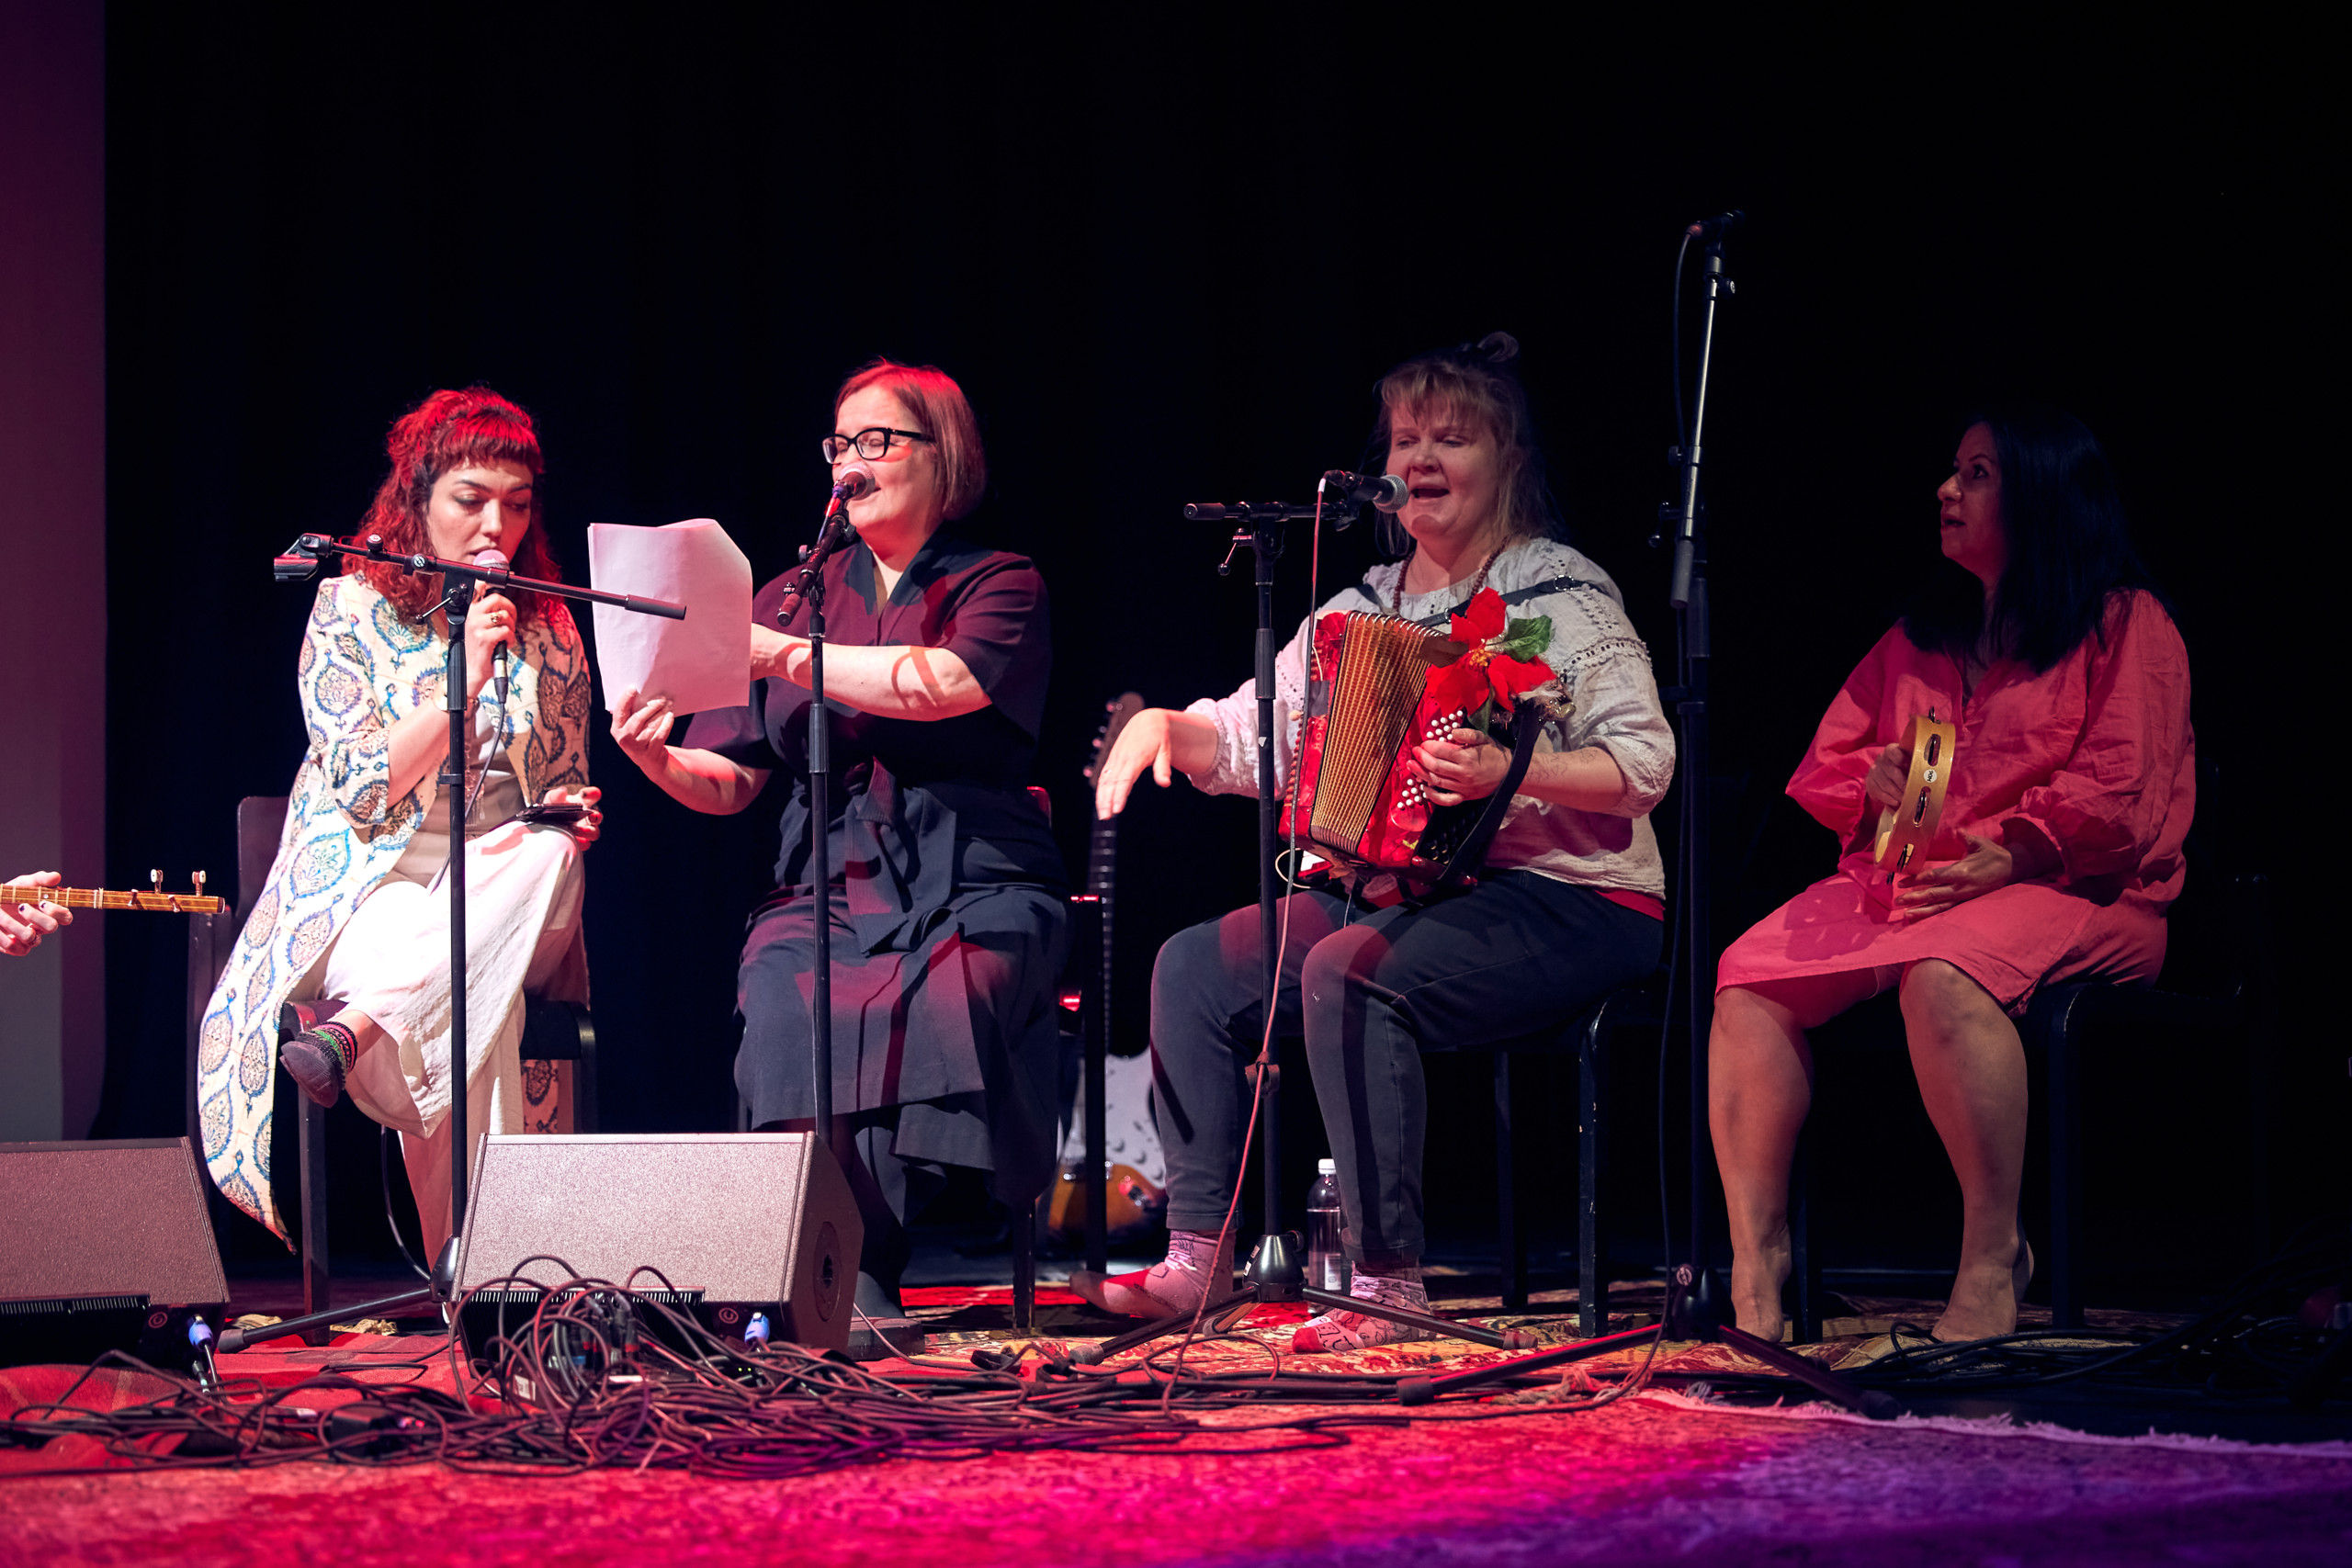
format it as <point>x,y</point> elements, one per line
<point>1351,796</point>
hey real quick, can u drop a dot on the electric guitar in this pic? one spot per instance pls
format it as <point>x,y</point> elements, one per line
<point>155,902</point>
<point>1133,1202</point>
<point>1904,830</point>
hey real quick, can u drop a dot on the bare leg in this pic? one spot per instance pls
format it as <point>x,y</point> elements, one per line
<point>1760,1085</point>
<point>1971,1067</point>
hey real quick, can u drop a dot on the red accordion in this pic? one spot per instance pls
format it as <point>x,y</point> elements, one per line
<point>1353,795</point>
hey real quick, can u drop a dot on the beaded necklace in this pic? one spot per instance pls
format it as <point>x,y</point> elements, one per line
<point>1396,594</point>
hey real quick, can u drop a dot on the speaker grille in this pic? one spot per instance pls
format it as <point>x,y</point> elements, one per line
<point>116,1218</point>
<point>714,1213</point>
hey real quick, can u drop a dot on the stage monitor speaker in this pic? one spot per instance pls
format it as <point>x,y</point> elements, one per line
<point>737,1224</point>
<point>104,1246</point>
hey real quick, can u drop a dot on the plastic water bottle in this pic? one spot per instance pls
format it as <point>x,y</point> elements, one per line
<point>1327,1257</point>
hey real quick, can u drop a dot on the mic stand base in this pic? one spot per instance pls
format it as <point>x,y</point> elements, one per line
<point>236,1340</point>
<point>1225,1314</point>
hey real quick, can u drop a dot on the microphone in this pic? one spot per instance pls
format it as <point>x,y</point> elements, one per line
<point>1385,492</point>
<point>848,485</point>
<point>837,533</point>
<point>1709,229</point>
<point>490,560</point>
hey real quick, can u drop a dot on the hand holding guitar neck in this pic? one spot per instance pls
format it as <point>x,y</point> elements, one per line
<point>154,901</point>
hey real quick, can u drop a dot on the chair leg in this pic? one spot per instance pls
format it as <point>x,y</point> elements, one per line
<point>2066,1175</point>
<point>583,1075</point>
<point>315,1288</point>
<point>1803,1267</point>
<point>1512,1235</point>
<point>1023,1228</point>
<point>311,1121</point>
<point>1592,1279</point>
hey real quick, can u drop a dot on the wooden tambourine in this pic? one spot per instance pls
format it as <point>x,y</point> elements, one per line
<point>1905,831</point>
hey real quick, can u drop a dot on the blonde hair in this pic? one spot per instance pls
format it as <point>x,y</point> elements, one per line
<point>935,406</point>
<point>1469,381</point>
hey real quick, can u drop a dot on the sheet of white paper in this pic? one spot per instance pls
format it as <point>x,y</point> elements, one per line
<point>703,661</point>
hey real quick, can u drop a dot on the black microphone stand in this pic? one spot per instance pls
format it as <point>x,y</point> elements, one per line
<point>1274,1267</point>
<point>1687,596</point>
<point>461,581</point>
<point>837,535</point>
<point>1275,1272</point>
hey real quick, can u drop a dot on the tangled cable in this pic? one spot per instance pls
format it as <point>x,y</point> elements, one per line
<point>602,1374</point>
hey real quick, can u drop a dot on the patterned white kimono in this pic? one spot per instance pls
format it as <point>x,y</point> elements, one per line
<point>362,667</point>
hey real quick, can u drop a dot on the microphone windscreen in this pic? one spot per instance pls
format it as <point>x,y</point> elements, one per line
<point>853,481</point>
<point>1389,493</point>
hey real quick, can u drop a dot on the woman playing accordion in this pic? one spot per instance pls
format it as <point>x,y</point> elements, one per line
<point>1568,904</point>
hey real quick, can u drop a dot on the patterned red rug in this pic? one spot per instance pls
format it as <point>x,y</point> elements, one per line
<point>1655,1477</point>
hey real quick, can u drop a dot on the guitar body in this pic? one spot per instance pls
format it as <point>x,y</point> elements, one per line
<point>1905,831</point>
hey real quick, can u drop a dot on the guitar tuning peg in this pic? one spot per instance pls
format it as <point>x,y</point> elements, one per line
<point>155,880</point>
<point>197,878</point>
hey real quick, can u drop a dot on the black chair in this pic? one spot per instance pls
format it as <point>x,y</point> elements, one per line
<point>1586,1036</point>
<point>2063,1026</point>
<point>553,1032</point>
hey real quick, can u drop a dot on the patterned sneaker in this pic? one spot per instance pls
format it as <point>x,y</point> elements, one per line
<point>1194,1267</point>
<point>1337,1330</point>
<point>318,1058</point>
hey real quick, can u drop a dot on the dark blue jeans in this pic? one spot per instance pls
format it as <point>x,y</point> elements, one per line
<point>1516,953</point>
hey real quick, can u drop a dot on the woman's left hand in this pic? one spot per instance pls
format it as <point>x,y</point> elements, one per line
<point>1464,766</point>
<point>1985,866</point>
<point>589,829</point>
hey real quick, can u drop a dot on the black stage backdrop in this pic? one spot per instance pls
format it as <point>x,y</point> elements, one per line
<point>1168,265</point>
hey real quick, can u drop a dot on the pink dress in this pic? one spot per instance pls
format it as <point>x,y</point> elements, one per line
<point>2095,755</point>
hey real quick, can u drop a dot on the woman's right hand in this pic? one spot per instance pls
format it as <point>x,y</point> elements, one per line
<point>1887,777</point>
<point>489,625</point>
<point>642,727</point>
<point>1147,741</point>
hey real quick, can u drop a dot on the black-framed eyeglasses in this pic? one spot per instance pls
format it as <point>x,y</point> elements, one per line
<point>869,444</point>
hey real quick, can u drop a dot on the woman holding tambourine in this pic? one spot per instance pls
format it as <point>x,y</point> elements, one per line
<point>2040,842</point>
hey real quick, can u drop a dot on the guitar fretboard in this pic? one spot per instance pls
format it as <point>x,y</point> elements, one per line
<point>106,899</point>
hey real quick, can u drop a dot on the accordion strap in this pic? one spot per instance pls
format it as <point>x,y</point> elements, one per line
<point>1440,621</point>
<point>1525,720</point>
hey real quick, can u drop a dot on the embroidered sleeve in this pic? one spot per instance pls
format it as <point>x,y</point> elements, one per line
<point>1235,772</point>
<point>556,754</point>
<point>336,676</point>
<point>1604,671</point>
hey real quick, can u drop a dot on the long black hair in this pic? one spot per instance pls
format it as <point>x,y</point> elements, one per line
<point>2070,551</point>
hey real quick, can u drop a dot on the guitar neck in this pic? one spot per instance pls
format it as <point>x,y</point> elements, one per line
<point>105,898</point>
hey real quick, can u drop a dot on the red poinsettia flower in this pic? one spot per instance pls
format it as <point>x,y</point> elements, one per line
<point>1498,664</point>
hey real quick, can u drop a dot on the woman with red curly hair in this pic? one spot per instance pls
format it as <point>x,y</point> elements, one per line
<point>352,917</point>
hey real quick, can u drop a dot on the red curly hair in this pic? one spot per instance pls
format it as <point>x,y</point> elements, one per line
<point>446,431</point>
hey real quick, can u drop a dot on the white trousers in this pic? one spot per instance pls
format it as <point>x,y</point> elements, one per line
<point>392,962</point>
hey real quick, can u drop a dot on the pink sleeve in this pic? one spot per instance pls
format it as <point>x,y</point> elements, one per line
<point>1829,783</point>
<point>2105,808</point>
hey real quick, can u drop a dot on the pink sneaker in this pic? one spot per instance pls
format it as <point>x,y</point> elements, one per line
<point>1337,1330</point>
<point>1194,1268</point>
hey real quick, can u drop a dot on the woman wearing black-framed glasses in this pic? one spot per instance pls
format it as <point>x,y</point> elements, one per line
<point>948,890</point>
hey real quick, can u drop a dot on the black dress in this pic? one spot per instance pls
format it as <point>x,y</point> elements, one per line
<point>948,892</point>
